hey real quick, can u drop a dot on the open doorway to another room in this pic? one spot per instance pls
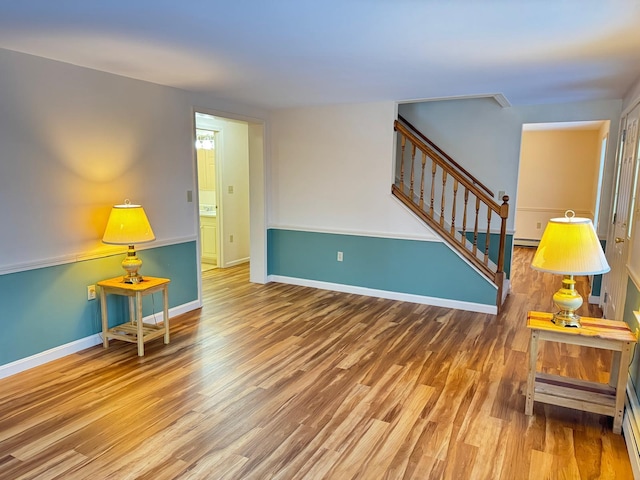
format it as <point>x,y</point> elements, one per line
<point>561,168</point>
<point>222,154</point>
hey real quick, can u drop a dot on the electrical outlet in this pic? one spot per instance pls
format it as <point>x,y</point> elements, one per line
<point>538,225</point>
<point>189,196</point>
<point>230,189</point>
<point>91,292</point>
<point>230,238</point>
<point>340,256</point>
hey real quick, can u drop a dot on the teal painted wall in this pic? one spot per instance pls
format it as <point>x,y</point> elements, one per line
<point>596,284</point>
<point>47,307</point>
<point>494,244</point>
<point>395,265</point>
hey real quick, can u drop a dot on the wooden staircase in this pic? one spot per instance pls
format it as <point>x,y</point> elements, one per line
<point>457,205</point>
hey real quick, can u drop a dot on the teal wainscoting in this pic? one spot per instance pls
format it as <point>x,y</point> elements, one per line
<point>596,284</point>
<point>47,307</point>
<point>631,304</point>
<point>494,247</point>
<point>404,266</point>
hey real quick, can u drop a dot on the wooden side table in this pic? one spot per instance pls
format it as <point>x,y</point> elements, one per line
<point>605,399</point>
<point>135,331</point>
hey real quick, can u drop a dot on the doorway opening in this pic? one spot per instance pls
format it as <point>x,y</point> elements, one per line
<point>222,162</point>
<point>561,168</point>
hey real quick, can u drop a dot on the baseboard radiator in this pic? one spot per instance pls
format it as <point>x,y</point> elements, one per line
<point>631,428</point>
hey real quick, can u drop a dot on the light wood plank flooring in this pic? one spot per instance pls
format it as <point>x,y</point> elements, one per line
<point>283,382</point>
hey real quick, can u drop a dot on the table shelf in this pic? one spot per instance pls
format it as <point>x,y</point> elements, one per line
<point>573,393</point>
<point>128,332</point>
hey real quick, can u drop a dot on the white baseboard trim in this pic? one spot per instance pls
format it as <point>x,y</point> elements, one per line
<point>158,317</point>
<point>525,242</point>
<point>506,289</point>
<point>631,428</point>
<point>78,345</point>
<point>49,355</point>
<point>236,262</point>
<point>371,292</point>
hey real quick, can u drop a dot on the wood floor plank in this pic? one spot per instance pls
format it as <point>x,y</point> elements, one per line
<point>399,432</point>
<point>286,382</point>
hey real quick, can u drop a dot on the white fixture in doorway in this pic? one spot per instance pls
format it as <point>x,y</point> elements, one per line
<point>207,161</point>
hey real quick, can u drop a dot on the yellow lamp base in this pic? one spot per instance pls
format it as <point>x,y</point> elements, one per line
<point>568,300</point>
<point>567,319</point>
<point>132,264</point>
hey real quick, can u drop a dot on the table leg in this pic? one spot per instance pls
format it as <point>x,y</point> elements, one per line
<point>132,310</point>
<point>165,311</point>
<point>615,368</point>
<point>531,378</point>
<point>623,372</point>
<point>139,324</point>
<point>105,321</point>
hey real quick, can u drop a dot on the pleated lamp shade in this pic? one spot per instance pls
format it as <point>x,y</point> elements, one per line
<point>570,246</point>
<point>128,225</point>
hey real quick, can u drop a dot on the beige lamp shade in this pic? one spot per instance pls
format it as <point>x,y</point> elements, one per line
<point>570,246</point>
<point>127,225</point>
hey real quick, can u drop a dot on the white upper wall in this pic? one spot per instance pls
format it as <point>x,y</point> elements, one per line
<point>76,141</point>
<point>332,167</point>
<point>332,170</point>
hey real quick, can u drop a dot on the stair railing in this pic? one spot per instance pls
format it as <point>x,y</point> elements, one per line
<point>451,201</point>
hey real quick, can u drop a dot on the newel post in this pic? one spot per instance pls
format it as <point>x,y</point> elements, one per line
<point>504,213</point>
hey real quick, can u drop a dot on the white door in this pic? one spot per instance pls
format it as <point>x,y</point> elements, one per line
<point>615,282</point>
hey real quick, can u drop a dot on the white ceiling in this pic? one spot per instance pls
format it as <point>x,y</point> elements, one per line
<point>286,53</point>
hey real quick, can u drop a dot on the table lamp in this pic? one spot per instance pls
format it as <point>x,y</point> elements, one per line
<point>569,246</point>
<point>128,224</point>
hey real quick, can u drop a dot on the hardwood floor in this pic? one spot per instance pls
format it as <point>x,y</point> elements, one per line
<point>284,382</point>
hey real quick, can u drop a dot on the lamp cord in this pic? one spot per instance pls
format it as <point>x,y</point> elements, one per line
<point>153,308</point>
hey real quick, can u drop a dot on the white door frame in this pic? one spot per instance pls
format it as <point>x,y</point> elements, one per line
<point>258,202</point>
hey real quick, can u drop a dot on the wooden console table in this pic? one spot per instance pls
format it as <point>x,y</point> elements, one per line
<point>605,399</point>
<point>135,331</point>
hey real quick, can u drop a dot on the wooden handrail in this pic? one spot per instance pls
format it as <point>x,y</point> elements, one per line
<point>450,168</point>
<point>438,214</point>
<point>444,155</point>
